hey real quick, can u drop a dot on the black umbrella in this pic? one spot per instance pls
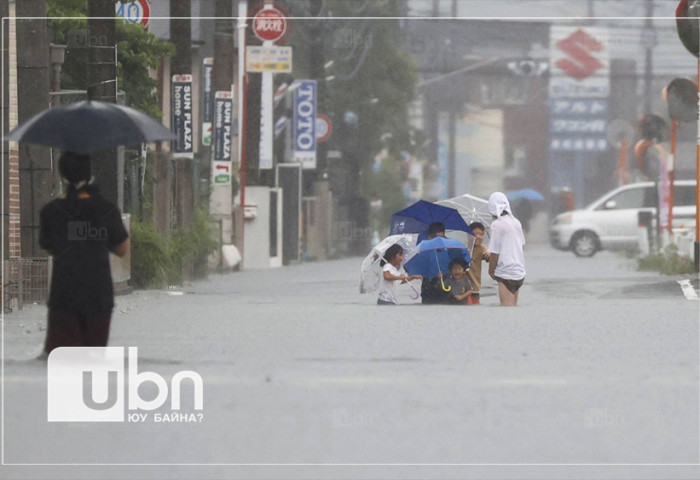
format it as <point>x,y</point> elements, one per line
<point>90,126</point>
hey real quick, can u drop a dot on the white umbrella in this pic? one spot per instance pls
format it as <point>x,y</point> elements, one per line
<point>471,208</point>
<point>371,272</point>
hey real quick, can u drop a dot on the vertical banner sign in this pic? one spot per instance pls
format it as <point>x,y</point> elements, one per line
<point>223,110</point>
<point>207,100</point>
<point>267,125</point>
<point>579,86</point>
<point>181,116</point>
<point>305,124</point>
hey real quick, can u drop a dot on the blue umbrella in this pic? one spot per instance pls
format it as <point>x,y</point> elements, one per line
<point>525,194</point>
<point>434,256</point>
<point>417,218</point>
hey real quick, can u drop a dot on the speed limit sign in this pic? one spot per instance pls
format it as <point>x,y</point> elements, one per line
<point>135,11</point>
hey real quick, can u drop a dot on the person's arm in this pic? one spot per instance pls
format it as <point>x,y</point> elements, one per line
<point>493,261</point>
<point>389,277</point>
<point>464,296</point>
<point>118,239</point>
<point>121,249</point>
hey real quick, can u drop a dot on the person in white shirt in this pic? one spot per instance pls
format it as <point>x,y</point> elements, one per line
<point>507,260</point>
<point>391,276</point>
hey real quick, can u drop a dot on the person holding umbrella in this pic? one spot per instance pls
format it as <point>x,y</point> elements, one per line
<point>79,230</point>
<point>430,290</point>
<point>506,259</point>
<point>391,263</point>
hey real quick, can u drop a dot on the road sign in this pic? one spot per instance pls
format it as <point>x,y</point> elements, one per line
<point>136,11</point>
<point>221,173</point>
<point>268,59</point>
<point>269,24</point>
<point>324,128</point>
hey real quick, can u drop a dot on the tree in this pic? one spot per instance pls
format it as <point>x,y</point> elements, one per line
<point>138,50</point>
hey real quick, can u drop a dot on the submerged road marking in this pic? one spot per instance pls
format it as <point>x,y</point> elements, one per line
<point>688,289</point>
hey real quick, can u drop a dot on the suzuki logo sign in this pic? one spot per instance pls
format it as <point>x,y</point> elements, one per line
<point>580,67</point>
<point>579,47</point>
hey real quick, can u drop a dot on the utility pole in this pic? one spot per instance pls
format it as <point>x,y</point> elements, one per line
<point>221,200</point>
<point>317,61</point>
<point>33,76</point>
<point>181,64</point>
<point>102,86</point>
<point>648,40</point>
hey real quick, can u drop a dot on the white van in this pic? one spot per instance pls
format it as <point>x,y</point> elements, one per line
<point>611,222</point>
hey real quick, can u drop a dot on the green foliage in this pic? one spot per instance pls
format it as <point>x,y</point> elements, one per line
<point>374,79</point>
<point>668,262</point>
<point>193,245</point>
<point>158,259</point>
<point>138,50</point>
<point>385,185</point>
<point>150,264</point>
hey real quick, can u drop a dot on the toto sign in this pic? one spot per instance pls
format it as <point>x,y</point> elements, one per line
<point>269,24</point>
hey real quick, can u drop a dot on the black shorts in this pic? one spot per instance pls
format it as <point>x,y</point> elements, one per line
<point>512,285</point>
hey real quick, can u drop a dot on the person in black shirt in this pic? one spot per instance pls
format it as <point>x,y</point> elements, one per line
<point>430,289</point>
<point>79,231</point>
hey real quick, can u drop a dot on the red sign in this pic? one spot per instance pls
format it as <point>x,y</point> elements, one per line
<point>578,47</point>
<point>269,24</point>
<point>324,128</point>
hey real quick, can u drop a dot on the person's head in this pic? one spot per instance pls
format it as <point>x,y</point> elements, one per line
<point>498,204</point>
<point>478,230</point>
<point>458,267</point>
<point>75,169</point>
<point>393,255</point>
<point>436,229</point>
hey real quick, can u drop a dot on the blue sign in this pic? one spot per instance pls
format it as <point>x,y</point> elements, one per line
<point>578,125</point>
<point>223,106</point>
<point>305,103</point>
<point>181,114</point>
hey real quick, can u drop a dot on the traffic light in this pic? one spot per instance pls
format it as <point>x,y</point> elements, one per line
<point>687,14</point>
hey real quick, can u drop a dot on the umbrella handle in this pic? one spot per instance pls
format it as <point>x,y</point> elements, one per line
<point>444,288</point>
<point>414,291</point>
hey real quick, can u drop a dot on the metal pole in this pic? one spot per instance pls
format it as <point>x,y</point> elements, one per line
<point>242,116</point>
<point>622,166</point>
<point>648,35</point>
<point>672,171</point>
<point>697,183</point>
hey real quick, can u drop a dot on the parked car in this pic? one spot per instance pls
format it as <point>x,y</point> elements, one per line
<point>612,221</point>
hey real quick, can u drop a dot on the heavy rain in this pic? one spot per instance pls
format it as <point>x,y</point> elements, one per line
<point>350,239</point>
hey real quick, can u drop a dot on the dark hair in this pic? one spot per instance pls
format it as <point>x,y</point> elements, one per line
<point>75,168</point>
<point>479,225</point>
<point>435,228</point>
<point>459,261</point>
<point>390,253</point>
